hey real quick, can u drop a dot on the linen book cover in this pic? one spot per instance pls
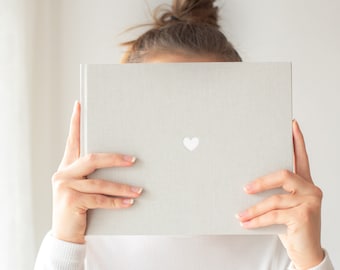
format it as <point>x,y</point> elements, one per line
<point>200,132</point>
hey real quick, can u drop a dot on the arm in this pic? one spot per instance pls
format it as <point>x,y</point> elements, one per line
<point>55,254</point>
<point>299,209</point>
<point>326,264</point>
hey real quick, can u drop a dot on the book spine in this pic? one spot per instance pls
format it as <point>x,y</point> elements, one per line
<point>83,116</point>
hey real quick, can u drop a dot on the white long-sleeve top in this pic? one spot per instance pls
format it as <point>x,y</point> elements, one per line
<point>167,253</point>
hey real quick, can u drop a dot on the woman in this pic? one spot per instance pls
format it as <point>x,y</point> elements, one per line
<point>189,32</point>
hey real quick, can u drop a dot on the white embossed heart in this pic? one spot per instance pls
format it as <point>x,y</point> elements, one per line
<point>191,143</point>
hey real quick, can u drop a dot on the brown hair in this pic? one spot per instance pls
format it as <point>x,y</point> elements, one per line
<point>188,26</point>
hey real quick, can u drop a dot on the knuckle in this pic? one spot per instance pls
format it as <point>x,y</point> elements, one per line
<point>57,184</point>
<point>114,203</point>
<point>115,158</point>
<point>252,211</point>
<point>276,200</point>
<point>71,197</point>
<point>285,174</point>
<point>126,189</point>
<point>60,186</point>
<point>308,213</point>
<point>274,215</point>
<point>260,183</point>
<point>122,189</point>
<point>314,203</point>
<point>57,176</point>
<point>63,193</point>
<point>255,222</point>
<point>318,192</point>
<point>96,184</point>
<point>100,201</point>
<point>90,158</point>
<point>68,197</point>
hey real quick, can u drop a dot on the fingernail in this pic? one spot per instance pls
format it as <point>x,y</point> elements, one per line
<point>137,190</point>
<point>128,201</point>
<point>129,158</point>
<point>245,224</point>
<point>248,187</point>
<point>241,215</point>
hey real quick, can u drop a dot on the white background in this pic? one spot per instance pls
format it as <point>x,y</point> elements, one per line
<point>306,33</point>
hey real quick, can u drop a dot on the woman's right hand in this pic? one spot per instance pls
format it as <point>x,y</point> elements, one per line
<point>74,194</point>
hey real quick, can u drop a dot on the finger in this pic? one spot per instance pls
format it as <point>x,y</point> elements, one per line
<point>95,201</point>
<point>98,186</point>
<point>72,148</point>
<point>86,165</point>
<point>300,154</point>
<point>276,202</point>
<point>274,217</point>
<point>285,179</point>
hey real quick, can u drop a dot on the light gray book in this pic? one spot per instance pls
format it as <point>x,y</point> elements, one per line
<point>200,132</point>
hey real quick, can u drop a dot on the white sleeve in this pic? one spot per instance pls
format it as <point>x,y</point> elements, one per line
<point>326,264</point>
<point>55,254</point>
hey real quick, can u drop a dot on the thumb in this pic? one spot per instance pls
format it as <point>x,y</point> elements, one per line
<point>72,149</point>
<point>301,163</point>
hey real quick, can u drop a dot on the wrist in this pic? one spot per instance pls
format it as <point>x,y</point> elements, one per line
<point>72,231</point>
<point>72,238</point>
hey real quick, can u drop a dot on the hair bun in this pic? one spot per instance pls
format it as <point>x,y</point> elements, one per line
<point>189,11</point>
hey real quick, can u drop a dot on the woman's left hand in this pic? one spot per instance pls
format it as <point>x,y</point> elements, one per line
<point>299,209</point>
